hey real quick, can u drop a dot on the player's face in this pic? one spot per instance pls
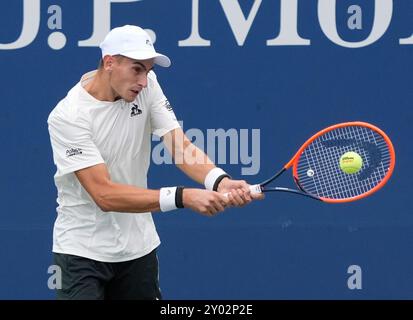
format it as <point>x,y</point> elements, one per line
<point>129,77</point>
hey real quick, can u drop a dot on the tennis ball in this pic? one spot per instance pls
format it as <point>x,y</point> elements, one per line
<point>351,162</point>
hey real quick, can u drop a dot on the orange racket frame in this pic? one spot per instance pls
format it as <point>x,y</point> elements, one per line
<point>258,188</point>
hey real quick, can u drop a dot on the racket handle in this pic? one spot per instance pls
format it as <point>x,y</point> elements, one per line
<point>255,189</point>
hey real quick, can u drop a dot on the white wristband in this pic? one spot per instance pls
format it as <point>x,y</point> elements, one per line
<point>212,176</point>
<point>167,199</point>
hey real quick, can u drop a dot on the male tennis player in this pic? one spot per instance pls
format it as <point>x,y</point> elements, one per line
<point>104,238</point>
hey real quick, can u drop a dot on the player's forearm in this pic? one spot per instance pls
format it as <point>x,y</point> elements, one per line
<point>125,198</point>
<point>188,157</point>
<point>196,166</point>
<point>196,172</point>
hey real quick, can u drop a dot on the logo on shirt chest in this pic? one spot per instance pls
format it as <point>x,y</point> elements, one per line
<point>135,111</point>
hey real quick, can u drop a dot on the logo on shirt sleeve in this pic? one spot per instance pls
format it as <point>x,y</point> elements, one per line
<point>73,152</point>
<point>167,105</point>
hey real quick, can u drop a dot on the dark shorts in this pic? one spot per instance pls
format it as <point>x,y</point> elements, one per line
<point>86,279</point>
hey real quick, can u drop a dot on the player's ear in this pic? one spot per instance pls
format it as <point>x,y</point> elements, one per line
<point>108,62</point>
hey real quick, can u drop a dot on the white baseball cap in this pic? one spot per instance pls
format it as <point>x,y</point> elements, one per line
<point>132,42</point>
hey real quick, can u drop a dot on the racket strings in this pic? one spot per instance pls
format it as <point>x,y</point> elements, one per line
<point>318,167</point>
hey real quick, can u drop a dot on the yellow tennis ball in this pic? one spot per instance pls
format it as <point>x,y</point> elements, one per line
<point>351,162</point>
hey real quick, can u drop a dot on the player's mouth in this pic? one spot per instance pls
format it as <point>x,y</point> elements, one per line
<point>136,92</point>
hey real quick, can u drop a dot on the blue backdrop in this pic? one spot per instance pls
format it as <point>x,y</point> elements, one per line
<point>283,247</point>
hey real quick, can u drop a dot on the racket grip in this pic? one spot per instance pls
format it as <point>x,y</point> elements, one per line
<point>255,189</point>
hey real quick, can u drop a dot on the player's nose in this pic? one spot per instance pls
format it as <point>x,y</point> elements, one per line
<point>143,81</point>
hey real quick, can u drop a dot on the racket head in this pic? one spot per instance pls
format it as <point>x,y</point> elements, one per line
<point>316,165</point>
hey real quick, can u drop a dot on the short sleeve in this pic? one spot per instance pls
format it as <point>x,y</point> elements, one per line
<point>72,144</point>
<point>163,118</point>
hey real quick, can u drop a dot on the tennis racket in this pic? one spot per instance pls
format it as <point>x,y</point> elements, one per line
<point>316,165</point>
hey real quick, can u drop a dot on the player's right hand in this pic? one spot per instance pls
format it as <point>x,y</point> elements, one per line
<point>204,201</point>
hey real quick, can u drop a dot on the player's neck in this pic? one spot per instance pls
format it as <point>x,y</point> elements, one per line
<point>100,88</point>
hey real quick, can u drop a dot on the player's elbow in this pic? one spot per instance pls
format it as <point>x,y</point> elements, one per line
<point>103,200</point>
<point>104,205</point>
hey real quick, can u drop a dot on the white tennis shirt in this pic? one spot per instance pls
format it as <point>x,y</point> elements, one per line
<point>85,132</point>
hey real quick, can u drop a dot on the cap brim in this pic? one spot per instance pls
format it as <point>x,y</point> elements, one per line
<point>159,59</point>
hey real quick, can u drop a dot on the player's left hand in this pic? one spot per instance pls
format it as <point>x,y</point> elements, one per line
<point>238,192</point>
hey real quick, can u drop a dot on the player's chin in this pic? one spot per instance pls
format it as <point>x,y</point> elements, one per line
<point>130,96</point>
